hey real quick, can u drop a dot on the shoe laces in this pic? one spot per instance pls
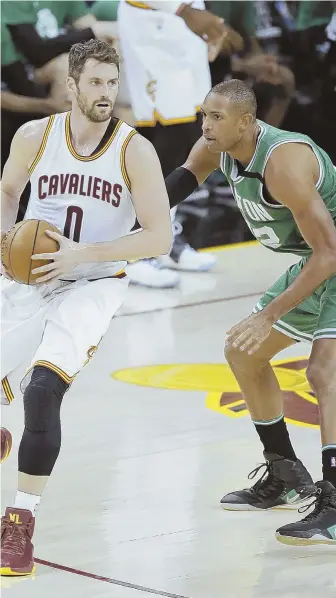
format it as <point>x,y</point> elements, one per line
<point>267,484</point>
<point>321,504</point>
<point>13,538</point>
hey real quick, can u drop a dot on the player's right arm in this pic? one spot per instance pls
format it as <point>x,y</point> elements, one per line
<point>25,146</point>
<point>183,181</point>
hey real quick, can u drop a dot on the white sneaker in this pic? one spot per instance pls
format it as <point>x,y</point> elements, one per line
<point>190,260</point>
<point>183,257</point>
<point>149,273</point>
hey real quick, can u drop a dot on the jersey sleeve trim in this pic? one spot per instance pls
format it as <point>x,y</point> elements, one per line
<point>43,144</point>
<point>302,142</point>
<point>122,159</point>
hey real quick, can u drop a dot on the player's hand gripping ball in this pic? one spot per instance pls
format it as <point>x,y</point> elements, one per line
<point>60,263</point>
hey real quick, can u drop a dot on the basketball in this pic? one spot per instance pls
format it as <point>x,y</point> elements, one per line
<point>25,239</point>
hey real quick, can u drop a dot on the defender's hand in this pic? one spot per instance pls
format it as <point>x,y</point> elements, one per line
<point>249,334</point>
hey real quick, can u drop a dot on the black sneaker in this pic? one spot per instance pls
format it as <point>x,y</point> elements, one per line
<point>319,527</point>
<point>284,483</point>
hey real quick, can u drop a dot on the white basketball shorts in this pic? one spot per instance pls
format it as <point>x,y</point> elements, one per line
<point>166,66</point>
<point>58,325</point>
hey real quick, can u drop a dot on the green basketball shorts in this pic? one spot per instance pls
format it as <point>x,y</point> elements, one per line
<point>312,319</point>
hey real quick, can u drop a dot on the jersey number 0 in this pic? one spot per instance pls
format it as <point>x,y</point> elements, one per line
<point>73,223</point>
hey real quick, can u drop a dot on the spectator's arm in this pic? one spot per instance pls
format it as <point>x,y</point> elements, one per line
<point>84,22</point>
<point>15,78</point>
<point>15,103</point>
<point>25,104</point>
<point>77,10</point>
<point>255,47</point>
<point>79,15</point>
<point>38,50</point>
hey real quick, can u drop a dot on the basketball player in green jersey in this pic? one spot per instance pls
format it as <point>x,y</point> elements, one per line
<point>285,187</point>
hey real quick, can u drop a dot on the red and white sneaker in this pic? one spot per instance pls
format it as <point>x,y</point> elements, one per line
<point>17,549</point>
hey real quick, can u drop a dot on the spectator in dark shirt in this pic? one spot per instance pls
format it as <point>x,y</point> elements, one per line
<point>43,32</point>
<point>22,99</point>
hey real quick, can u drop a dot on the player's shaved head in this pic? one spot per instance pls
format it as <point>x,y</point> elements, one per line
<point>239,95</point>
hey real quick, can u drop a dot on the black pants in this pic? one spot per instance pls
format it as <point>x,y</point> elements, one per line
<point>173,142</point>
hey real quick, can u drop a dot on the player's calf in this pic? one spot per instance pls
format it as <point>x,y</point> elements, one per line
<point>41,440</point>
<point>39,449</point>
<point>321,375</point>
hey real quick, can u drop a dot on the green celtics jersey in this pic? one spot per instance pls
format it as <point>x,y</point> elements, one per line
<point>271,223</point>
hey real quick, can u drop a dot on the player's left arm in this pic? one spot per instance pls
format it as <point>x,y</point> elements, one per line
<point>290,176</point>
<point>151,204</point>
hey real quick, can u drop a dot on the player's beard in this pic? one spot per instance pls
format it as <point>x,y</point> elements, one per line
<point>92,112</point>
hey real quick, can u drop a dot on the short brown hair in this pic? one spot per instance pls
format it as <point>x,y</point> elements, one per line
<point>239,93</point>
<point>94,48</point>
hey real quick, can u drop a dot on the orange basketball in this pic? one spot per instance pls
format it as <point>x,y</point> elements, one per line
<point>25,239</point>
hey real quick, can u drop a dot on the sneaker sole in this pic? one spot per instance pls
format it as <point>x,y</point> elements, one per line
<point>285,507</point>
<point>294,541</point>
<point>8,572</point>
<point>251,508</point>
<point>179,268</point>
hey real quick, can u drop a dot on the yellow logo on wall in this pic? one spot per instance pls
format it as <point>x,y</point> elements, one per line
<point>222,390</point>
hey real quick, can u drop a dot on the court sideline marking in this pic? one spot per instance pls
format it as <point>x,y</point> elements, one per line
<point>116,582</point>
<point>194,304</point>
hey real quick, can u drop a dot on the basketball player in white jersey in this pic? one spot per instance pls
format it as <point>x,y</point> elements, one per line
<point>90,178</point>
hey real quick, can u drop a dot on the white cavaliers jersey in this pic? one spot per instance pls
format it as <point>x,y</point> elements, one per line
<point>87,198</point>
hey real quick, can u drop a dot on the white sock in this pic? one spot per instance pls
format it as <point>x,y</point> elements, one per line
<point>23,500</point>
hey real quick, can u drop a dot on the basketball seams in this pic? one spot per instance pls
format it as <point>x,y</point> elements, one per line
<point>32,252</point>
<point>17,251</point>
<point>9,252</point>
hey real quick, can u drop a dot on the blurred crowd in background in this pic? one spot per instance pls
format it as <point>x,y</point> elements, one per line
<point>285,50</point>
